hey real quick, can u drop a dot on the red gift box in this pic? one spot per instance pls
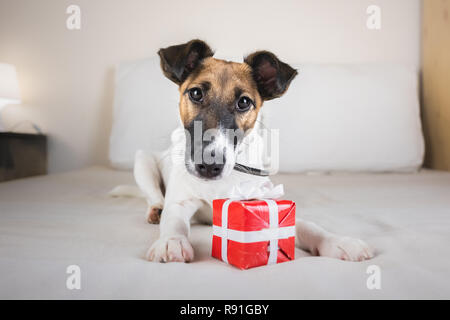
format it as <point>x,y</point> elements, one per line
<point>252,233</point>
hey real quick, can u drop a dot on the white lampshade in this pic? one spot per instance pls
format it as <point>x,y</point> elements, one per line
<point>9,86</point>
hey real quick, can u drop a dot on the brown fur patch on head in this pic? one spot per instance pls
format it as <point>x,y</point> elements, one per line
<point>223,83</point>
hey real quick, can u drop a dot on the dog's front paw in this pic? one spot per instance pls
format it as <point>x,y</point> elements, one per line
<point>345,248</point>
<point>171,249</point>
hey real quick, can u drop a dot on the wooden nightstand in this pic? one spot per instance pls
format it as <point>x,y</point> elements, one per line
<point>22,155</point>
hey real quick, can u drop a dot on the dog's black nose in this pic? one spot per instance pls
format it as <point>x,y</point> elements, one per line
<point>209,171</point>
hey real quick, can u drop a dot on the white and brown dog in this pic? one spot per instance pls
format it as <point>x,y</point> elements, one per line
<point>181,182</point>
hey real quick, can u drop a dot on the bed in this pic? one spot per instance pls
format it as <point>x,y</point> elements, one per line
<point>48,223</point>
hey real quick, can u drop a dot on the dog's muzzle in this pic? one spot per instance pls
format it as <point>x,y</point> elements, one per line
<point>209,171</point>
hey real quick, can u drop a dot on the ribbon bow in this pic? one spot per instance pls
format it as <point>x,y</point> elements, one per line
<point>253,189</point>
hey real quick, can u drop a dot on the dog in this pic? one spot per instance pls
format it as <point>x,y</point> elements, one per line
<point>180,183</point>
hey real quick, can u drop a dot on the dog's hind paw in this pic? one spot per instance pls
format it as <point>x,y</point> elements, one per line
<point>153,214</point>
<point>345,248</point>
<point>171,249</point>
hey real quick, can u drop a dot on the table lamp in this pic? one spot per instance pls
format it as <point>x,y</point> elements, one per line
<point>9,87</point>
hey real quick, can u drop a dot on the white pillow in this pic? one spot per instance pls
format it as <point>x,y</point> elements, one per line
<point>332,118</point>
<point>349,118</point>
<point>145,111</point>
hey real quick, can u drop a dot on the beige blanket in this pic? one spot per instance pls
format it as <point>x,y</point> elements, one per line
<point>51,222</point>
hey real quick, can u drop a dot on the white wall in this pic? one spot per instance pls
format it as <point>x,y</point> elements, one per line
<point>66,77</point>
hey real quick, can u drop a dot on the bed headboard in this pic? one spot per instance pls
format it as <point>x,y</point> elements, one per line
<point>436,83</point>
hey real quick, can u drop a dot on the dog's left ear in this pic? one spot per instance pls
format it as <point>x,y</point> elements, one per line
<point>272,76</point>
<point>178,61</point>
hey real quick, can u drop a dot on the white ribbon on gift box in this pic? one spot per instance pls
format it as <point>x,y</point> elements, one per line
<point>272,234</point>
<point>255,189</point>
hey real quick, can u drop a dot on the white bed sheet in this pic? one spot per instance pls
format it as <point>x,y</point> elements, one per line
<point>50,222</point>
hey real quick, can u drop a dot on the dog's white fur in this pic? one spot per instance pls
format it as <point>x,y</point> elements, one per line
<point>187,196</point>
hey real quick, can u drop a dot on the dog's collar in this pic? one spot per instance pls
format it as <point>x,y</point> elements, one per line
<point>249,170</point>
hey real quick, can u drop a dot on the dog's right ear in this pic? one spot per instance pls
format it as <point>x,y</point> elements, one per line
<point>177,62</point>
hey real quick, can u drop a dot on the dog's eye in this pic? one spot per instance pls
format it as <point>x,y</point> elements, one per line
<point>196,94</point>
<point>244,104</point>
